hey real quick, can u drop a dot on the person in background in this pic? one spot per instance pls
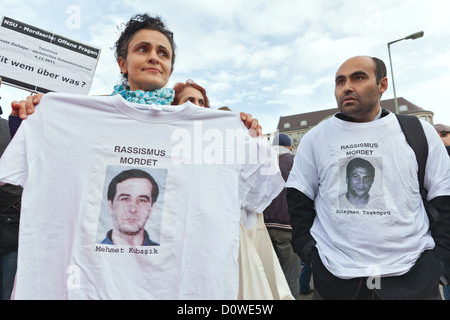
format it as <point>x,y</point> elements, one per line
<point>305,279</point>
<point>190,91</point>
<point>444,133</point>
<point>196,94</point>
<point>276,218</point>
<point>9,223</point>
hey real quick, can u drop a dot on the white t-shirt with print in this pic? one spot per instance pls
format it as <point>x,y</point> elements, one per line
<point>207,167</point>
<point>387,234</point>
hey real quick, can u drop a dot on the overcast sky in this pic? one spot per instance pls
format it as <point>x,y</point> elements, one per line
<point>264,57</point>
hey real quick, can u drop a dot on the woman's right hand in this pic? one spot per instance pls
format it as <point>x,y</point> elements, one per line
<point>26,107</point>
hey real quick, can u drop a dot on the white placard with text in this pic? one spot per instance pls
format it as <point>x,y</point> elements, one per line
<point>37,60</point>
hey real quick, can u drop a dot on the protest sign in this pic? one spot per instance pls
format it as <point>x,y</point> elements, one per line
<point>41,61</point>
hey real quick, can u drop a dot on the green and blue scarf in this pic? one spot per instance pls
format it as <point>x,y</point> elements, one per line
<point>162,96</point>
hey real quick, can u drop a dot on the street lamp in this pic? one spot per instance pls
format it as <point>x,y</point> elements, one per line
<point>413,36</point>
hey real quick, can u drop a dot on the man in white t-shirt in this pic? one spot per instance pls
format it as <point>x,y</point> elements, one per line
<point>384,249</point>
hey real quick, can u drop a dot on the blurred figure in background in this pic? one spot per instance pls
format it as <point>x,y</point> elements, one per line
<point>444,133</point>
<point>276,218</point>
<point>9,223</point>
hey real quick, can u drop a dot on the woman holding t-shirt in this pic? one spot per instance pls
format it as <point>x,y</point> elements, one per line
<point>145,53</point>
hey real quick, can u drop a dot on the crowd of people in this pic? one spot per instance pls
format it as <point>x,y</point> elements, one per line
<point>358,241</point>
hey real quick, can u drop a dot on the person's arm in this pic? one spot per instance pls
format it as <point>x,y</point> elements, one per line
<point>302,213</point>
<point>14,123</point>
<point>441,232</point>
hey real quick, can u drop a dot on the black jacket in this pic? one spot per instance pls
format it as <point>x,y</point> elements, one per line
<point>9,202</point>
<point>9,217</point>
<point>277,211</point>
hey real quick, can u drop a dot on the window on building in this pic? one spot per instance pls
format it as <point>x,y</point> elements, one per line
<point>303,123</point>
<point>287,125</point>
<point>426,118</point>
<point>300,136</point>
<point>403,107</point>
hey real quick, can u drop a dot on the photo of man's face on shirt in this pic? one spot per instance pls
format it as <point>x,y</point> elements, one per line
<point>363,184</point>
<point>132,206</point>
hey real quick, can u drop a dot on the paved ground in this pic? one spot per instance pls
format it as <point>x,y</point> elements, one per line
<point>305,297</point>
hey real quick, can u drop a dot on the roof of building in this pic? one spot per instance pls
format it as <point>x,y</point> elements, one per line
<point>315,117</point>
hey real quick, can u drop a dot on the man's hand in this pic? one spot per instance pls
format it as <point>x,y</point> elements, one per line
<point>26,107</point>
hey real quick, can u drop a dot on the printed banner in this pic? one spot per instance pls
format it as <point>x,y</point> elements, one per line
<point>37,60</point>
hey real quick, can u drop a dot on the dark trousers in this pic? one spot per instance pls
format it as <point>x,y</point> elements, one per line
<point>8,266</point>
<point>289,260</point>
<point>419,283</point>
<point>368,294</point>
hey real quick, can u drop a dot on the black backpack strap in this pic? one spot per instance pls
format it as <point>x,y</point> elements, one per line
<point>413,131</point>
<point>415,136</point>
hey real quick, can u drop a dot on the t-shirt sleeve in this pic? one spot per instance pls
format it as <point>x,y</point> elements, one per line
<point>304,175</point>
<point>261,179</point>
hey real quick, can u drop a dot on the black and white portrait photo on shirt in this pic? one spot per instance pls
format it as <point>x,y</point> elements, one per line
<point>132,205</point>
<point>361,183</point>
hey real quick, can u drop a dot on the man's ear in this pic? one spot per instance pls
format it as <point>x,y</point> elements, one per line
<point>383,85</point>
<point>110,206</point>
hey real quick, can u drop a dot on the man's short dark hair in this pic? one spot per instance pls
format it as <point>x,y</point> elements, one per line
<point>360,163</point>
<point>380,69</point>
<point>130,174</point>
